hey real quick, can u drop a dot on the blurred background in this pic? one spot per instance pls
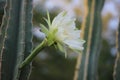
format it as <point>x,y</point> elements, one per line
<point>51,64</point>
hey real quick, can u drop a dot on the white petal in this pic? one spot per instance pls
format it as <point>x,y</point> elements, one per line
<point>64,20</point>
<point>74,44</point>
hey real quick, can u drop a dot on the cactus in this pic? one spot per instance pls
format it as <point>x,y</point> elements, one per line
<point>116,74</point>
<point>2,3</point>
<point>92,27</point>
<point>3,26</point>
<point>16,39</point>
<point>95,41</point>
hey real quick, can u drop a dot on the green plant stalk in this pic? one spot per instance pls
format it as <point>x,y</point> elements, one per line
<point>34,53</point>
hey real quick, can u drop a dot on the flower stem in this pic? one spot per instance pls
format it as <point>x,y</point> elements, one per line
<point>34,53</point>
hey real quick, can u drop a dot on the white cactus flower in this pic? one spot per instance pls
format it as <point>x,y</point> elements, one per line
<point>63,33</point>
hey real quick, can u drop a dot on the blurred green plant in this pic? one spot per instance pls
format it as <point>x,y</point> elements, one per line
<point>92,27</point>
<point>53,67</point>
<point>117,63</point>
<point>106,62</point>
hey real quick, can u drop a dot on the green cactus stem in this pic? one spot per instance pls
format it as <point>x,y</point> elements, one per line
<point>92,35</point>
<point>16,39</point>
